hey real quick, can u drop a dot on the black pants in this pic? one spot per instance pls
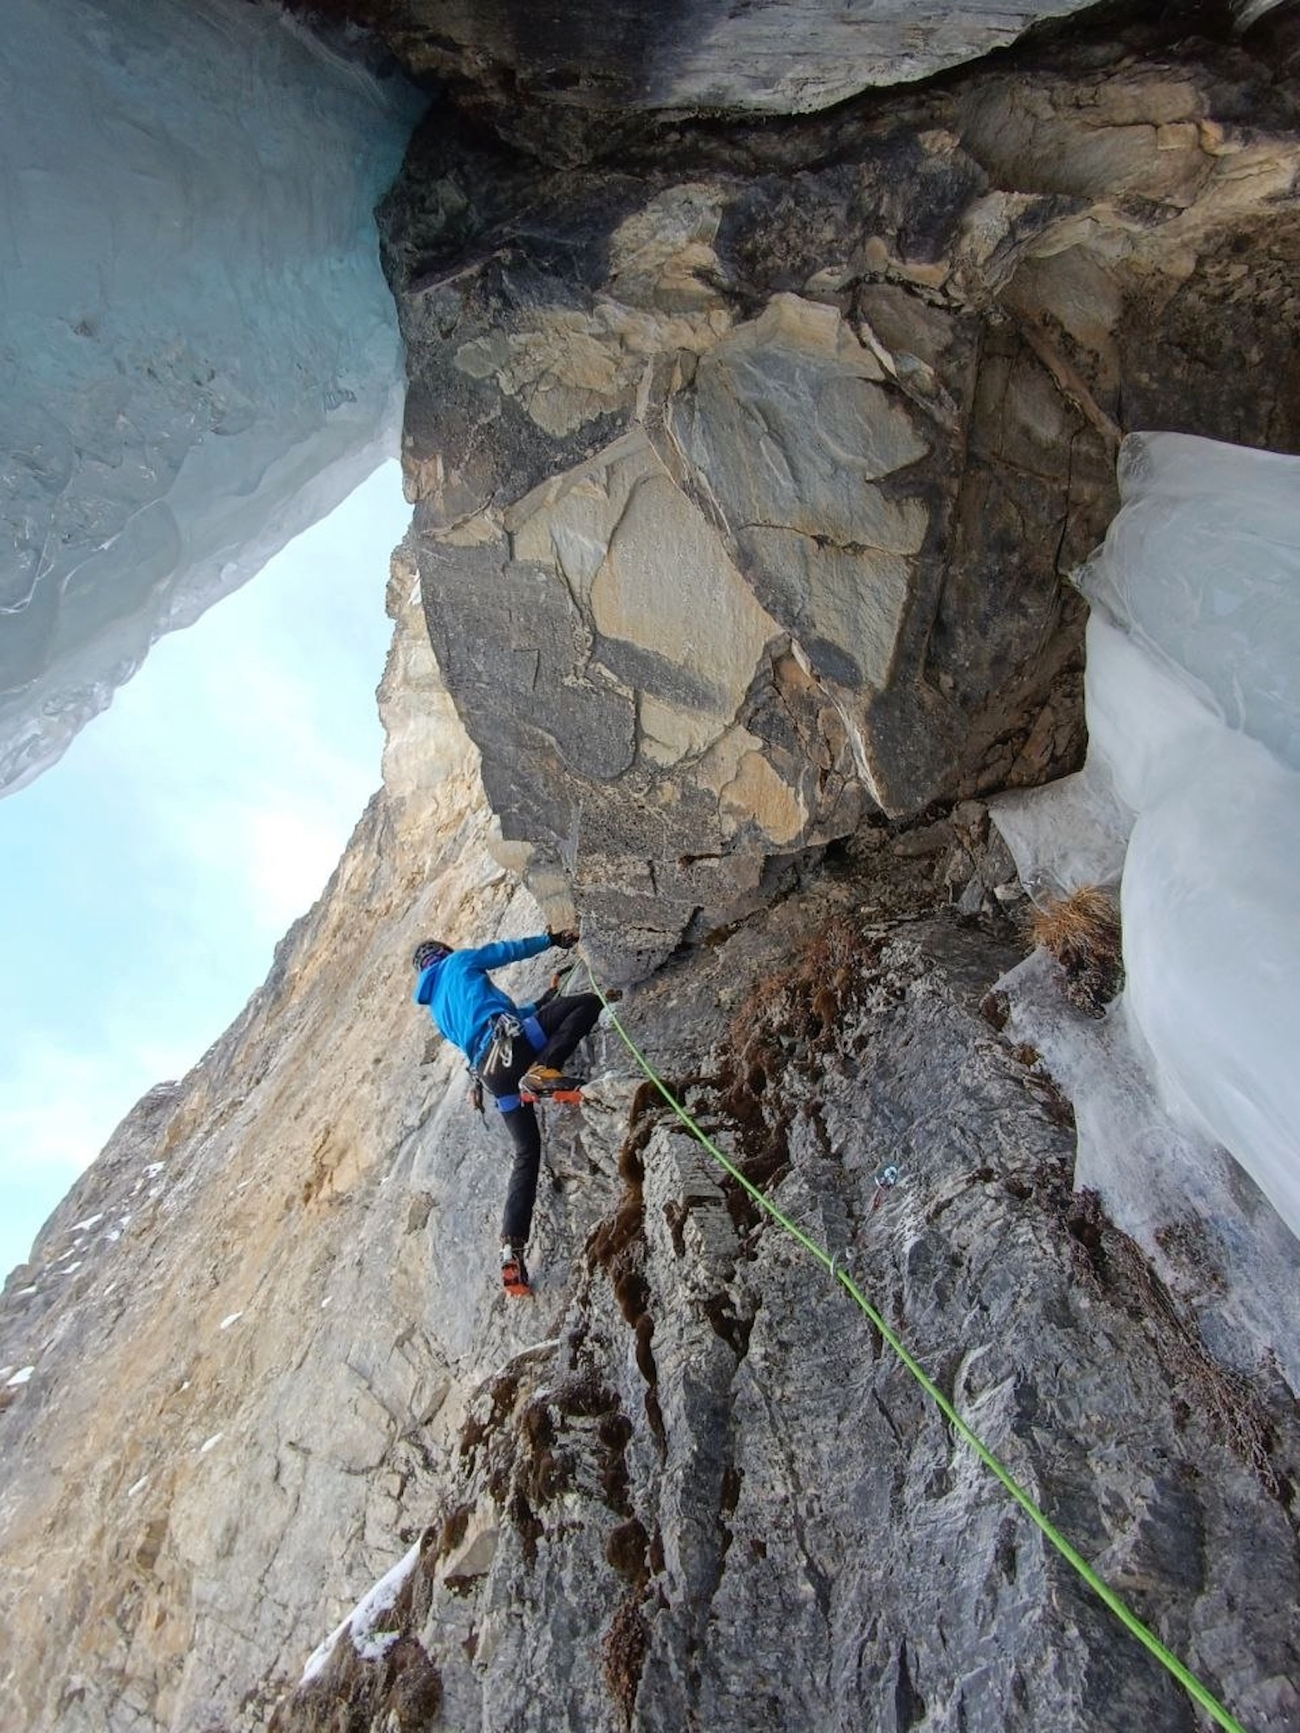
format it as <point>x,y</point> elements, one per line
<point>565,1021</point>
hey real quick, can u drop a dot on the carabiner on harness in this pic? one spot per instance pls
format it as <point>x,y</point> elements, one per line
<point>506,1030</point>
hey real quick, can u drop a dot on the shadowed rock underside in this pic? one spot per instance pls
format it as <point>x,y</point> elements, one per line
<point>750,462</point>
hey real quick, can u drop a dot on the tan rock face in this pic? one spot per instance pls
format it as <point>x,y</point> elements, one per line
<point>796,440</point>
<point>708,624</point>
<point>571,368</point>
<point>224,1413</point>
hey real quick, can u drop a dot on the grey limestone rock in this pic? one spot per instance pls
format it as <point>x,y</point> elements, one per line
<point>688,1484</point>
<point>750,464</point>
<point>562,77</point>
<point>716,1498</point>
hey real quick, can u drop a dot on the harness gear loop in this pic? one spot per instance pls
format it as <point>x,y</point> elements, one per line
<point>506,1030</point>
<point>499,1054</point>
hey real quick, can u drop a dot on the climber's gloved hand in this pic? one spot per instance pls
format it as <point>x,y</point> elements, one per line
<point>565,940</point>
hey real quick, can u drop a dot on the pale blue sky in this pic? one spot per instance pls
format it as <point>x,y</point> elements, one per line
<point>146,878</point>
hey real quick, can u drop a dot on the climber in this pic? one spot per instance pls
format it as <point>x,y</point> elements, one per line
<point>515,1051</point>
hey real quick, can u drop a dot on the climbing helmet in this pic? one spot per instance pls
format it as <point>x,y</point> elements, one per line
<point>429,951</point>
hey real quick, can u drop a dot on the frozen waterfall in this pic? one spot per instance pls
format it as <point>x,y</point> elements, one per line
<point>198,353</point>
<point>1191,792</point>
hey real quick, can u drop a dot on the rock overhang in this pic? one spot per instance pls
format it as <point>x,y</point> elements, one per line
<point>750,466</point>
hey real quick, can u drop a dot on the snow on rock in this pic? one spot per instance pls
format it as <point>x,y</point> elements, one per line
<point>198,355</point>
<point>1191,791</point>
<point>232,1318</point>
<point>360,1624</point>
<point>19,1377</point>
<point>1201,568</point>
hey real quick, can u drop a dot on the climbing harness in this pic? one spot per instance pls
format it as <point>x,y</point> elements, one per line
<point>500,1050</point>
<point>835,1263</point>
<point>499,1055</point>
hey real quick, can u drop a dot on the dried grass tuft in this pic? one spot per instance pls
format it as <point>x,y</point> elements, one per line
<point>1082,932</point>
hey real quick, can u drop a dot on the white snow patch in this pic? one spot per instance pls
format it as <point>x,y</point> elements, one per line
<point>138,1487</point>
<point>19,1377</point>
<point>360,1625</point>
<point>113,1236</point>
<point>232,1319</point>
<point>325,1302</point>
<point>72,1267</point>
<point>90,1222</point>
<point>23,1291</point>
<point>208,1443</point>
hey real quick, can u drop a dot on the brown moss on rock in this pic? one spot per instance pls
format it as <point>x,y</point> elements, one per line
<point>401,1692</point>
<point>623,1654</point>
<point>626,1550</point>
<point>791,1017</point>
<point>1113,1263</point>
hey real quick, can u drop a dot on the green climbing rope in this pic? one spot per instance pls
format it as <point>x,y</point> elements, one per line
<point>1187,1679</point>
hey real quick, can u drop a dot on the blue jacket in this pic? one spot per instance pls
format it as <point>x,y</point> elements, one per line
<point>461,999</point>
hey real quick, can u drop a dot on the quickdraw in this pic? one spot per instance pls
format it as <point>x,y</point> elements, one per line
<point>506,1030</point>
<point>886,1179</point>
